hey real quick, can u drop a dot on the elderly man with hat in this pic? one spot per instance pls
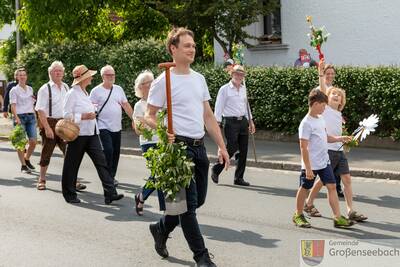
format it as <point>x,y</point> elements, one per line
<point>79,108</point>
<point>232,111</point>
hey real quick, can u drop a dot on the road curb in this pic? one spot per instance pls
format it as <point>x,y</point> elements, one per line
<point>278,165</point>
<point>290,166</point>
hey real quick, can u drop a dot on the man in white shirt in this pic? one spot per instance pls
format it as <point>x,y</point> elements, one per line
<point>190,112</point>
<point>109,99</point>
<point>49,105</point>
<point>233,112</point>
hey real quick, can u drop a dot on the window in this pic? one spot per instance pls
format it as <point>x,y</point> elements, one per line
<point>272,28</point>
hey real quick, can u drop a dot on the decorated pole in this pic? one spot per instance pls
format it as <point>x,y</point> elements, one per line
<point>167,66</point>
<point>317,37</point>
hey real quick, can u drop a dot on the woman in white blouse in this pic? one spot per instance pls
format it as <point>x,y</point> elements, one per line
<point>79,108</point>
<point>22,102</point>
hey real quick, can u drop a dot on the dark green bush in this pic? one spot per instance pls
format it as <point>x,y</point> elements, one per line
<point>278,96</point>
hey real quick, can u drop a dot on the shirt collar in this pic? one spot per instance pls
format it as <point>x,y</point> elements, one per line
<point>233,86</point>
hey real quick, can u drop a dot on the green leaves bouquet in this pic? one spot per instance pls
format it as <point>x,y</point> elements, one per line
<point>169,165</point>
<point>18,138</point>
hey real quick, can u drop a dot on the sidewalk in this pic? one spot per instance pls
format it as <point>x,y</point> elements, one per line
<point>364,162</point>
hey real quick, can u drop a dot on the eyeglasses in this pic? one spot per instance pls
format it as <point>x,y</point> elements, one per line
<point>109,75</point>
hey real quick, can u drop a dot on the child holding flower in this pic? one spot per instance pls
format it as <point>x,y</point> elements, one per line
<point>333,119</point>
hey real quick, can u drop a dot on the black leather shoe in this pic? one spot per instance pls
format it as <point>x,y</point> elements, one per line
<point>160,240</point>
<point>109,199</point>
<point>73,201</point>
<point>241,182</point>
<point>205,261</point>
<point>214,177</point>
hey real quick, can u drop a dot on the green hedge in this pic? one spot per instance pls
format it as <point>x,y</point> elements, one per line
<point>278,96</point>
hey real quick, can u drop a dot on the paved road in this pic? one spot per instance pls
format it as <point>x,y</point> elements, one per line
<point>242,226</point>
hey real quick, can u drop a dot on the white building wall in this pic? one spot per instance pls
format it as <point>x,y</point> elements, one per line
<point>363,32</point>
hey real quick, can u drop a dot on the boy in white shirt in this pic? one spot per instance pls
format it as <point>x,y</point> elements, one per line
<point>315,160</point>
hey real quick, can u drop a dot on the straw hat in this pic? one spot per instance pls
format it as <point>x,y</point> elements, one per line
<point>238,69</point>
<point>81,73</point>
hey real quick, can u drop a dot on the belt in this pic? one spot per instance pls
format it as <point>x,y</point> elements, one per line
<point>236,118</point>
<point>189,141</point>
<point>26,113</point>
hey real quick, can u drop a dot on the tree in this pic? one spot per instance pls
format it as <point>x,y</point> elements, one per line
<point>7,12</point>
<point>89,20</point>
<point>223,20</point>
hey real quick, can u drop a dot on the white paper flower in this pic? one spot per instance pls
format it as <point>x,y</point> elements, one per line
<point>367,126</point>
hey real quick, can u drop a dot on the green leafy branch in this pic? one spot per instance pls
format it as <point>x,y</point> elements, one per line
<point>18,138</point>
<point>170,167</point>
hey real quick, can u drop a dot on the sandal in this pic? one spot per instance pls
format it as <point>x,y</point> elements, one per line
<point>139,210</point>
<point>41,185</point>
<point>80,187</point>
<point>354,216</point>
<point>312,211</point>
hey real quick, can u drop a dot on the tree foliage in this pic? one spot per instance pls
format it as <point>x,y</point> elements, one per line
<point>7,12</point>
<point>90,20</point>
<point>223,20</point>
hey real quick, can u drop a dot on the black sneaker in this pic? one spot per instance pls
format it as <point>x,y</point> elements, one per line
<point>29,165</point>
<point>160,240</point>
<point>205,261</point>
<point>340,194</point>
<point>241,182</point>
<point>25,169</point>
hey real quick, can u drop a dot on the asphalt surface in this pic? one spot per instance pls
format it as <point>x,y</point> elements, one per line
<point>242,226</point>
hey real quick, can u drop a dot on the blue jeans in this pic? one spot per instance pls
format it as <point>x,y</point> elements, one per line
<point>28,122</point>
<point>195,197</point>
<point>146,192</point>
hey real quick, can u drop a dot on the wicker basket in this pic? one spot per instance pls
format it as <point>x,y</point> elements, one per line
<point>67,130</point>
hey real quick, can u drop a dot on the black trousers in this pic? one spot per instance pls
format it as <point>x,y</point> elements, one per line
<point>111,144</point>
<point>237,139</point>
<point>195,197</point>
<point>72,161</point>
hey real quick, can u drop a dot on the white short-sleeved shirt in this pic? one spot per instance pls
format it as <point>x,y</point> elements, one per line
<point>313,130</point>
<point>138,112</point>
<point>23,99</point>
<point>76,103</point>
<point>57,99</point>
<point>333,120</point>
<point>189,92</point>
<point>111,116</point>
<point>231,102</point>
